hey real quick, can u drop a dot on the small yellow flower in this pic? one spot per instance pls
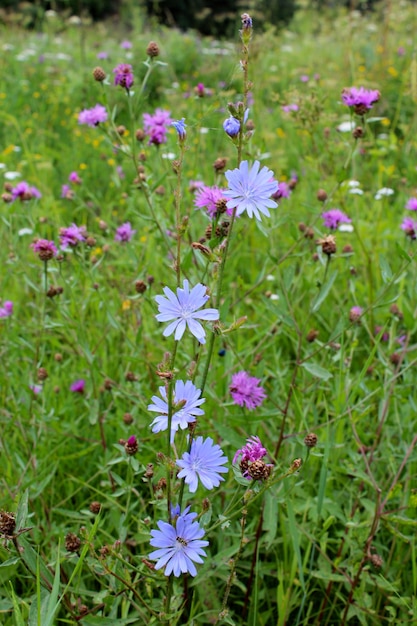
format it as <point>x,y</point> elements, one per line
<point>126,304</point>
<point>111,162</point>
<point>280,133</point>
<point>83,166</point>
<point>392,71</point>
<point>97,251</point>
<point>143,239</point>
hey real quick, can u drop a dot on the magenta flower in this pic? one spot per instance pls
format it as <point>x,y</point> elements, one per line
<point>252,451</point>
<point>355,313</point>
<point>124,233</point>
<point>200,90</point>
<point>46,250</point>
<point>335,217</point>
<point>290,108</point>
<point>409,226</point>
<point>411,204</point>
<point>360,100</point>
<point>7,309</point>
<point>102,55</point>
<point>36,389</point>
<point>69,237</point>
<point>24,191</point>
<point>208,197</point>
<point>245,390</point>
<point>123,75</point>
<point>156,126</point>
<point>93,116</point>
<point>126,45</point>
<point>283,191</point>
<point>78,386</point>
<point>67,192</point>
<point>74,178</point>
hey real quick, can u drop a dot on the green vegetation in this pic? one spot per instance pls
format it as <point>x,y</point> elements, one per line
<point>330,537</point>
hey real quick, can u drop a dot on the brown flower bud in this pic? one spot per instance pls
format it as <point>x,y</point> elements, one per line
<point>376,560</point>
<point>42,373</point>
<point>322,195</point>
<point>99,74</point>
<point>219,164</point>
<point>149,470</point>
<point>347,249</point>
<point>140,286</point>
<point>312,335</point>
<point>72,542</point>
<point>328,244</point>
<point>95,507</point>
<point>140,134</point>
<point>394,310</point>
<point>7,523</point>
<point>58,357</point>
<point>121,130</point>
<point>128,418</point>
<point>358,132</point>
<point>153,49</point>
<point>310,440</point>
<point>130,377</point>
<point>258,470</point>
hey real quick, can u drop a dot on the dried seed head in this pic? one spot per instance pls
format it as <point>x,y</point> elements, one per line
<point>140,134</point>
<point>131,377</point>
<point>322,195</point>
<point>153,49</point>
<point>58,357</point>
<point>347,249</point>
<point>149,470</point>
<point>99,74</point>
<point>7,197</point>
<point>140,286</point>
<point>219,164</point>
<point>310,440</point>
<point>358,132</point>
<point>309,233</point>
<point>95,507</point>
<point>328,244</point>
<point>312,335</point>
<point>258,470</point>
<point>72,542</point>
<point>128,418</point>
<point>394,310</point>
<point>42,373</point>
<point>395,358</point>
<point>161,485</point>
<point>376,560</point>
<point>7,523</point>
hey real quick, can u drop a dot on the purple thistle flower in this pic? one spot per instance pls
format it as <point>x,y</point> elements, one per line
<point>251,452</point>
<point>102,55</point>
<point>36,389</point>
<point>46,250</point>
<point>123,75</point>
<point>205,461</point>
<point>124,233</point>
<point>411,204</point>
<point>67,192</point>
<point>156,126</point>
<point>7,309</point>
<point>78,386</point>
<point>231,126</point>
<point>180,127</point>
<point>409,226</point>
<point>290,108</point>
<point>126,45</point>
<point>304,78</point>
<point>186,401</point>
<point>283,191</point>
<point>334,217</point>
<point>24,191</point>
<point>361,100</point>
<point>183,309</point>
<point>69,237</point>
<point>74,178</point>
<point>384,335</point>
<point>245,390</point>
<point>179,546</point>
<point>93,116</point>
<point>355,313</point>
<point>250,190</point>
<point>207,198</point>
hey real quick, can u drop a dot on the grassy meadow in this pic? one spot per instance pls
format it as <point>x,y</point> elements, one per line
<point>326,533</point>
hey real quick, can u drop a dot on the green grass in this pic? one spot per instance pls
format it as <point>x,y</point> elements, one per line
<point>303,547</point>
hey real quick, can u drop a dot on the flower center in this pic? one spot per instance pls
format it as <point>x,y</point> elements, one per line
<point>183,543</point>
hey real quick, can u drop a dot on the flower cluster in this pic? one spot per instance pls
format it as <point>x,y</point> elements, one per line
<point>7,309</point>
<point>156,126</point>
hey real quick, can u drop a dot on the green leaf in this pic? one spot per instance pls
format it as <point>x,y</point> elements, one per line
<point>22,511</point>
<point>324,292</point>
<point>386,271</point>
<point>317,371</point>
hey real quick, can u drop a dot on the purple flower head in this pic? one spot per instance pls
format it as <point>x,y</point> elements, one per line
<point>120,171</point>
<point>231,126</point>
<point>67,192</point>
<point>411,204</point>
<point>195,185</point>
<point>205,461</point>
<point>124,233</point>
<point>401,51</point>
<point>361,100</point>
<point>7,309</point>
<point>304,78</point>
<point>409,226</point>
<point>335,217</point>
<point>180,127</point>
<point>250,190</point>
<point>123,75</point>
<point>156,126</point>
<point>186,402</point>
<point>46,250</point>
<point>207,198</point>
<point>132,441</point>
<point>182,310</point>
<point>74,178</point>
<point>384,336</point>
<point>93,116</point>
<point>102,55</point>
<point>179,546</point>
<point>24,191</point>
<point>355,313</point>
<point>69,237</point>
<point>126,45</point>
<point>290,108</point>
<point>251,452</point>
<point>36,389</point>
<point>78,386</point>
<point>283,191</point>
<point>200,90</point>
<point>245,390</point>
